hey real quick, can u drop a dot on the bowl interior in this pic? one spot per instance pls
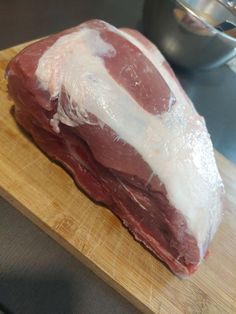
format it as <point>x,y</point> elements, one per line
<point>213,12</point>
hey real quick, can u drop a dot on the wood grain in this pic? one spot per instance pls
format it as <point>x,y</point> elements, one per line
<point>47,195</point>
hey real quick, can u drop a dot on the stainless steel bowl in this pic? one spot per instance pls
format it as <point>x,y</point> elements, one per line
<point>195,34</point>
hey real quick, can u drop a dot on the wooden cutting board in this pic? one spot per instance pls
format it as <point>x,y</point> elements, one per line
<point>47,195</point>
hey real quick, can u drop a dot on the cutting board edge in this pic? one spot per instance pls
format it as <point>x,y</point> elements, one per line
<point>21,46</point>
<point>85,260</point>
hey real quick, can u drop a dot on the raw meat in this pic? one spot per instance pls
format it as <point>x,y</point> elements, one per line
<point>105,104</point>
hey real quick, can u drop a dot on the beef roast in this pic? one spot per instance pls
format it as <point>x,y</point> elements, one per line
<point>105,104</point>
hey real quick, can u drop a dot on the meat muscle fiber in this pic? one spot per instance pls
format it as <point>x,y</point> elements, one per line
<point>106,105</point>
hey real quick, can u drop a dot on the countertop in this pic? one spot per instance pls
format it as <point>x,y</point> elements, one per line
<point>36,274</point>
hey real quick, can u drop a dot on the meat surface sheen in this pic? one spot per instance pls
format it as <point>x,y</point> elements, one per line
<point>105,104</point>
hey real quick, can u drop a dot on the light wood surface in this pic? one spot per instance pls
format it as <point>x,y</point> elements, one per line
<point>47,195</point>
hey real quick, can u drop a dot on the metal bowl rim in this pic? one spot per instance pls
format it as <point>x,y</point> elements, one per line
<point>208,26</point>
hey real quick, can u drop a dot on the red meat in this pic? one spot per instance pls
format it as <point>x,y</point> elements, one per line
<point>69,90</point>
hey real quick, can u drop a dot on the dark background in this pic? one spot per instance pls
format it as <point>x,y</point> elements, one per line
<point>36,274</point>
